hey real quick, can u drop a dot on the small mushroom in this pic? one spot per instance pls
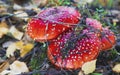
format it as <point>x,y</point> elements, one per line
<point>93,23</point>
<point>108,39</point>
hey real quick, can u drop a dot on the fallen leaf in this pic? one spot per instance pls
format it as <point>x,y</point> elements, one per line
<point>19,44</point>
<point>17,7</point>
<point>21,14</point>
<point>83,2</point>
<point>3,24</point>
<point>24,48</point>
<point>80,73</point>
<point>18,67</point>
<point>16,33</point>
<point>116,68</point>
<point>11,49</point>
<point>3,66</point>
<point>5,72</point>
<point>27,38</point>
<point>3,8</point>
<point>40,2</point>
<point>3,29</point>
<point>7,43</point>
<point>89,67</point>
<point>27,48</point>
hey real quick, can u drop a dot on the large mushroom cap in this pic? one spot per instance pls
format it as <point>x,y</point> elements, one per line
<point>85,49</point>
<point>51,22</point>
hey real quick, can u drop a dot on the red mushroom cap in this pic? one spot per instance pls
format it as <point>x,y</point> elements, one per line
<point>108,39</point>
<point>51,22</point>
<point>85,49</point>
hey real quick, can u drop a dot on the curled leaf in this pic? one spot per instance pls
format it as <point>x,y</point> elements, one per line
<point>4,65</point>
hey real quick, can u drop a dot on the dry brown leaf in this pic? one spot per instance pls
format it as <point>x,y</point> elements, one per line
<point>89,67</point>
<point>16,33</point>
<point>4,65</point>
<point>116,68</point>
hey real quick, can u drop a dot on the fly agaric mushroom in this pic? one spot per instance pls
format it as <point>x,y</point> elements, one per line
<point>108,39</point>
<point>85,49</point>
<point>51,22</point>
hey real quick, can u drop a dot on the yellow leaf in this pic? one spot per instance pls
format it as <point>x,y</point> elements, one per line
<point>24,48</point>
<point>16,33</point>
<point>19,44</point>
<point>27,48</point>
<point>116,68</point>
<point>11,49</point>
<point>89,67</point>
